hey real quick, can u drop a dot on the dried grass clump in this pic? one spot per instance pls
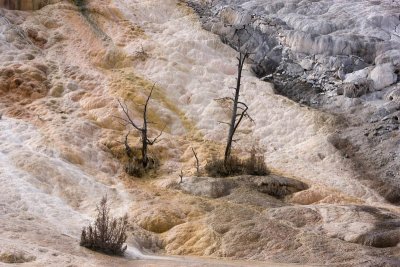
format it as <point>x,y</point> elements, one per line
<point>134,167</point>
<point>16,257</point>
<point>108,234</point>
<point>253,165</point>
<point>219,168</point>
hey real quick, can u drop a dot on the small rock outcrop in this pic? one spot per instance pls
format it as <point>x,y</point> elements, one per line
<point>272,185</point>
<point>311,40</point>
<point>23,4</point>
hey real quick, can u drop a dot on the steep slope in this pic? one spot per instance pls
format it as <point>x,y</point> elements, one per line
<point>62,70</point>
<point>336,56</point>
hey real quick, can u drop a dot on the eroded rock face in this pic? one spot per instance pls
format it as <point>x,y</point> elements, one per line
<point>23,4</point>
<point>273,185</point>
<point>383,76</point>
<point>318,35</point>
<point>208,187</point>
<point>59,151</point>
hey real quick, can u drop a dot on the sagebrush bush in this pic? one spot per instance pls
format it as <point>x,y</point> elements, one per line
<point>253,165</point>
<point>134,167</point>
<point>108,234</point>
<point>218,168</point>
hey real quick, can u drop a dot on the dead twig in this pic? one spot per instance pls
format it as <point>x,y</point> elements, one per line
<point>197,162</point>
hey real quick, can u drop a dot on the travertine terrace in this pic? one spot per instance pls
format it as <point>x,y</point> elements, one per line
<point>64,65</point>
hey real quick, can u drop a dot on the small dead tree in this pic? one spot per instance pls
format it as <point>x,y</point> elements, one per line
<point>239,108</point>
<point>107,234</point>
<point>146,141</point>
<point>197,162</point>
<point>181,177</point>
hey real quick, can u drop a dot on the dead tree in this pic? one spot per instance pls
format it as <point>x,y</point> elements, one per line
<point>197,162</point>
<point>142,129</point>
<point>239,108</point>
<point>181,177</point>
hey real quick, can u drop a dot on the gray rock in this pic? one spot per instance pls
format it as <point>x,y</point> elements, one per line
<point>72,86</point>
<point>278,186</point>
<point>359,74</point>
<point>294,70</point>
<point>25,4</point>
<point>207,187</point>
<point>357,88</point>
<point>57,90</point>
<point>393,95</point>
<point>383,76</point>
<point>307,64</point>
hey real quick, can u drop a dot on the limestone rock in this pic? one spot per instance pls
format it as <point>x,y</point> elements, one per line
<point>357,88</point>
<point>16,256</point>
<point>294,69</point>
<point>57,90</point>
<point>307,64</point>
<point>359,74</point>
<point>383,76</point>
<point>208,187</point>
<point>278,186</point>
<point>159,220</point>
<point>394,95</point>
<point>23,4</point>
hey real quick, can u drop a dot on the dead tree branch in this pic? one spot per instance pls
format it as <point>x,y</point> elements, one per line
<point>239,108</point>
<point>142,129</point>
<point>181,177</point>
<point>197,162</point>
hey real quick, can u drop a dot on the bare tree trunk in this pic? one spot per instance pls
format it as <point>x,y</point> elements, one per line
<point>145,141</point>
<point>234,122</point>
<point>145,159</point>
<point>143,130</point>
<point>197,162</point>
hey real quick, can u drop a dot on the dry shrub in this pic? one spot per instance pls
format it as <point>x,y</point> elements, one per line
<point>108,234</point>
<point>16,257</point>
<point>218,168</point>
<point>253,165</point>
<point>135,168</point>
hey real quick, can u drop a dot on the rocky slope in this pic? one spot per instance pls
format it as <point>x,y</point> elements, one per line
<point>317,51</point>
<point>62,70</point>
<point>24,4</point>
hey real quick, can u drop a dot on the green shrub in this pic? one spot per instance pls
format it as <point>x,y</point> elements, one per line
<point>108,234</point>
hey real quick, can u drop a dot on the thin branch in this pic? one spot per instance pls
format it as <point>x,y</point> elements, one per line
<point>128,149</point>
<point>240,119</point>
<point>224,98</point>
<point>247,115</point>
<point>197,162</point>
<point>181,176</point>
<point>125,110</point>
<point>147,101</point>
<point>122,119</point>
<point>243,104</point>
<point>155,139</point>
<point>222,122</point>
